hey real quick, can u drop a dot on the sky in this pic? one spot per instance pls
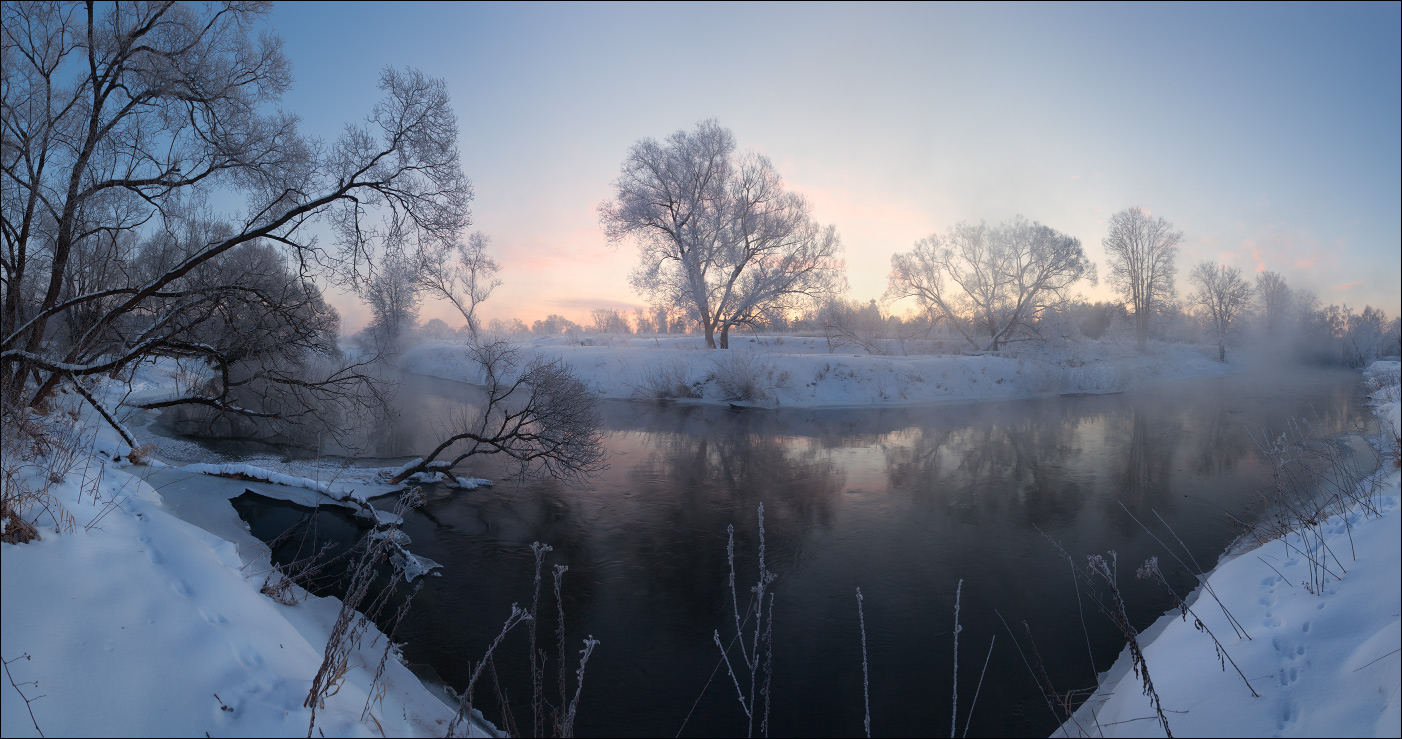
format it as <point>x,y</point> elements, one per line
<point>1271,135</point>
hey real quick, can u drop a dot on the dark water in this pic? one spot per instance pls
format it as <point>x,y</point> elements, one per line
<point>902,503</point>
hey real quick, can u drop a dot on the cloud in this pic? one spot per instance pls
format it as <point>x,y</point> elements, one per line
<point>1347,286</point>
<point>1276,248</point>
<point>589,304</point>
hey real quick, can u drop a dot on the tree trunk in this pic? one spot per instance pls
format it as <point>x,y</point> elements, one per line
<point>1222,351</point>
<point>710,336</point>
<point>725,336</point>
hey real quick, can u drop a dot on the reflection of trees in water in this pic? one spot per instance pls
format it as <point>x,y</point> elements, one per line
<point>1003,462</point>
<point>1144,445</point>
<point>715,479</point>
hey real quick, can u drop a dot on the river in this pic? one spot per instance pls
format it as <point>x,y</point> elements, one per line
<point>903,503</point>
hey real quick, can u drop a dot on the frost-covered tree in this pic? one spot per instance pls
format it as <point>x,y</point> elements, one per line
<point>537,416</point>
<point>464,275</point>
<point>1141,251</point>
<point>1275,300</point>
<point>393,294</point>
<point>717,233</point>
<point>554,325</point>
<point>610,321</point>
<point>1222,297</point>
<point>437,329</point>
<point>511,327</point>
<point>991,283</point>
<point>132,118</point>
<point>642,322</point>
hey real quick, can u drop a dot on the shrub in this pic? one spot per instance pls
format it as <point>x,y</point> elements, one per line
<point>741,375</point>
<point>666,380</point>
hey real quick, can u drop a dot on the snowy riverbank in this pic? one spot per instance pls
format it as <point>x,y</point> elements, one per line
<point>1323,662</point>
<point>139,613</point>
<point>800,372</point>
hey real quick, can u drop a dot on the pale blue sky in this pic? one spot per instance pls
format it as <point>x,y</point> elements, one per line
<point>1269,134</point>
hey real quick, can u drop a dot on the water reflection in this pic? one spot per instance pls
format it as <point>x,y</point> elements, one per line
<point>902,502</point>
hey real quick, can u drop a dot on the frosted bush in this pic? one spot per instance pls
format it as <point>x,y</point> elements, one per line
<point>741,375</point>
<point>667,379</point>
<point>1382,380</point>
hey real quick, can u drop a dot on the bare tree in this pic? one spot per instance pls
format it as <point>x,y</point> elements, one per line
<point>610,321</point>
<point>554,325</point>
<point>261,339</point>
<point>993,283</point>
<point>536,413</point>
<point>125,119</point>
<point>849,322</point>
<point>464,274</point>
<point>1222,296</point>
<point>643,322</point>
<point>393,294</point>
<point>1141,251</point>
<point>512,327</point>
<point>717,234</point>
<point>1275,300</point>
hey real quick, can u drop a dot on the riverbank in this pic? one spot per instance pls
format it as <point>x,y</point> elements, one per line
<point>137,611</point>
<point>800,372</point>
<point>1321,661</point>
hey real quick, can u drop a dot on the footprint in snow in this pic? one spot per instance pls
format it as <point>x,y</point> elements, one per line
<point>213,617</point>
<point>152,553</point>
<point>180,587</point>
<point>248,656</point>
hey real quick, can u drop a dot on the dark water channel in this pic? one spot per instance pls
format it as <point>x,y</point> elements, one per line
<point>900,502</point>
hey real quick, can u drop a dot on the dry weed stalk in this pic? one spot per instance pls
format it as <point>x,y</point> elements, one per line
<point>763,636</point>
<point>351,624</point>
<point>15,685</point>
<point>1151,570</point>
<point>866,683</point>
<point>1312,478</point>
<point>1097,567</point>
<point>36,454</point>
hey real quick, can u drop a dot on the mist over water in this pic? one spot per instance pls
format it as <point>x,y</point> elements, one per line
<point>900,502</point>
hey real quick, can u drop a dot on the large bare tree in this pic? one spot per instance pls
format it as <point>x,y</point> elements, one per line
<point>1222,296</point>
<point>991,283</point>
<point>126,120</point>
<point>1141,250</point>
<point>717,233</point>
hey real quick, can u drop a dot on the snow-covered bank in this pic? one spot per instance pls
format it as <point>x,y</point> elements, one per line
<point>1324,663</point>
<point>800,372</point>
<point>138,612</point>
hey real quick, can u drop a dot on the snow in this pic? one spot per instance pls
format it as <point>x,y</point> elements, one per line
<point>800,372</point>
<point>1324,663</point>
<point>144,617</point>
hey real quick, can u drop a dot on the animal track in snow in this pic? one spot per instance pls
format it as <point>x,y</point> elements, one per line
<point>1288,714</point>
<point>152,553</point>
<point>247,655</point>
